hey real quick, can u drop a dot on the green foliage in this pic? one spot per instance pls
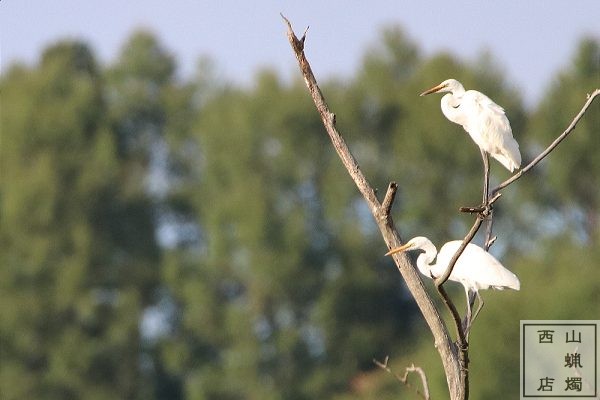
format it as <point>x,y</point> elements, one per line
<point>79,257</point>
<point>272,253</point>
<point>199,240</point>
<point>572,171</point>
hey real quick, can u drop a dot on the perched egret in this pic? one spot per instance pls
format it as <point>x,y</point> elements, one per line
<point>483,120</point>
<point>475,269</point>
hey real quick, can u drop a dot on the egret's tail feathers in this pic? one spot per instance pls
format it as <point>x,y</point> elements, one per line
<point>509,281</point>
<point>511,161</point>
<point>517,284</point>
<point>514,283</point>
<point>507,162</point>
<point>509,155</point>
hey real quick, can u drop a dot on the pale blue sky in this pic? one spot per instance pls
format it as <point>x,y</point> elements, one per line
<point>531,39</point>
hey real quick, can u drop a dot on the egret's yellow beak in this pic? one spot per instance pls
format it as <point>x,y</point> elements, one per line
<point>404,247</point>
<point>433,89</point>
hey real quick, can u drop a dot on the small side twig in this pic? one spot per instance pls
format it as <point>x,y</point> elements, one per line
<point>388,200</point>
<point>483,209</point>
<point>404,378</point>
<point>462,341</point>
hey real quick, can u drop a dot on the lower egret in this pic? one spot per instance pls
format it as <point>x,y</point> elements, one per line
<point>475,269</point>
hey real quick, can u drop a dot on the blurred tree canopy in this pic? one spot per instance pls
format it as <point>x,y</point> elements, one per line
<point>193,239</point>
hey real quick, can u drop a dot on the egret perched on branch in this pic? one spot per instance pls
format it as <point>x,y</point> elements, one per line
<point>475,269</point>
<point>483,120</point>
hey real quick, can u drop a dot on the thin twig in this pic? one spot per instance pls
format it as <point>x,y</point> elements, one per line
<point>462,338</point>
<point>404,379</point>
<point>443,278</point>
<point>556,142</point>
<point>461,341</point>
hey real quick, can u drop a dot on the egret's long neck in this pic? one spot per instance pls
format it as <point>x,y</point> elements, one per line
<point>424,262</point>
<point>451,107</point>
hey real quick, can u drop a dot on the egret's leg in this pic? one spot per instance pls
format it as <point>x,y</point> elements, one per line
<point>480,306</point>
<point>489,240</point>
<point>468,319</point>
<point>486,176</point>
<point>485,208</point>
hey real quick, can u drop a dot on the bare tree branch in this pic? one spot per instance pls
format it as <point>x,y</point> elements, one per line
<point>456,371</point>
<point>461,335</point>
<point>442,279</point>
<point>556,142</point>
<point>329,121</point>
<point>404,378</point>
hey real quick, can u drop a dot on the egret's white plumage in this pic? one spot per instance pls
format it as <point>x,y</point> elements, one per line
<point>483,120</point>
<point>475,269</point>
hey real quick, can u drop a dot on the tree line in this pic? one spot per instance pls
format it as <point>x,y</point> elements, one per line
<point>168,238</point>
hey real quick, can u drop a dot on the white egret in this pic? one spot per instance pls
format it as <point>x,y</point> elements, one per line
<point>475,269</point>
<point>483,120</point>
